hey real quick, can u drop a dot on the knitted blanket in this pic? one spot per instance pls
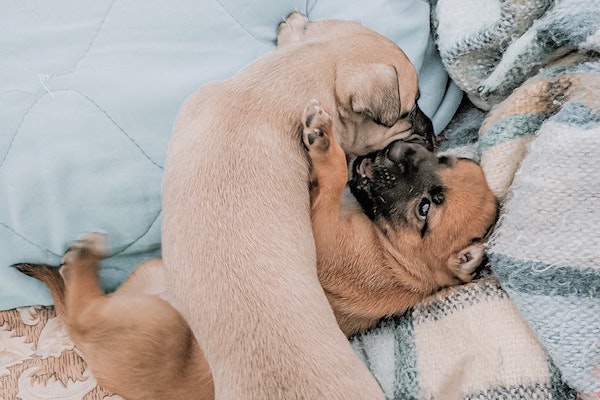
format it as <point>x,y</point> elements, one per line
<point>490,48</point>
<point>464,342</point>
<point>532,328</point>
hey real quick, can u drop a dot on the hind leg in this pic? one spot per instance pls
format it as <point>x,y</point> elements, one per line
<point>136,344</point>
<point>291,29</point>
<point>79,269</point>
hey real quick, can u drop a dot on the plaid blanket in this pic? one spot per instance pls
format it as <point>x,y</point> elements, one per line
<point>546,249</point>
<point>490,48</point>
<point>467,342</point>
<point>538,66</point>
<point>531,329</point>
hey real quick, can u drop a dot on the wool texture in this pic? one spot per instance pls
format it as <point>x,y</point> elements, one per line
<point>530,327</point>
<point>464,342</point>
<point>536,66</point>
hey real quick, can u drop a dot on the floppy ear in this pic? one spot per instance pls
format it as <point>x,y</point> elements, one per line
<point>371,90</point>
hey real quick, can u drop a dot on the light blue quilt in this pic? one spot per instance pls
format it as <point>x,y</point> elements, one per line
<point>89,92</point>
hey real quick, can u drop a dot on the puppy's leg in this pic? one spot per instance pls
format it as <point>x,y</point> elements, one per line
<point>136,344</point>
<point>329,172</point>
<point>75,290</point>
<point>291,29</point>
<point>83,294</point>
<point>463,264</point>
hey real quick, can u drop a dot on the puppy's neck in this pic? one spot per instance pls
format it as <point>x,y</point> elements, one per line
<point>415,271</point>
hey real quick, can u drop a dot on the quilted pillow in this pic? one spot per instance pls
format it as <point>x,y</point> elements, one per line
<point>89,92</point>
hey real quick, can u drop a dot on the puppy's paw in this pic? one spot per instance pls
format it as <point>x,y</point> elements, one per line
<point>464,264</point>
<point>317,127</point>
<point>91,247</point>
<point>291,29</point>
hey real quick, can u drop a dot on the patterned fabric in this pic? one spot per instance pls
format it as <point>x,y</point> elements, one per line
<point>489,48</point>
<point>537,63</point>
<point>466,342</point>
<point>564,97</point>
<point>38,360</point>
<point>546,249</point>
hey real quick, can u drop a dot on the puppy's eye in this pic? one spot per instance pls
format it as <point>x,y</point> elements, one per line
<point>423,209</point>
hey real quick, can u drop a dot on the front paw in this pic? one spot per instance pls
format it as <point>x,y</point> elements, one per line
<point>317,127</point>
<point>464,264</point>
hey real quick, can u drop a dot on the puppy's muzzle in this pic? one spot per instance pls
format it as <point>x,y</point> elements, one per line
<point>400,156</point>
<point>386,181</point>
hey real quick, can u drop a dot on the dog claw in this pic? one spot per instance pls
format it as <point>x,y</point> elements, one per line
<point>24,268</point>
<point>316,125</point>
<point>314,136</point>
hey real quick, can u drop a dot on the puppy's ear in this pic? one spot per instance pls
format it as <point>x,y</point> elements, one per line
<point>464,263</point>
<point>371,90</point>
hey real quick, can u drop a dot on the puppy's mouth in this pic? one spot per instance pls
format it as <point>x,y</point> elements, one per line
<point>363,166</point>
<point>386,182</point>
<point>377,171</point>
<point>373,177</point>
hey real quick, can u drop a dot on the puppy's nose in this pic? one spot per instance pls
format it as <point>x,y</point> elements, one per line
<point>401,151</point>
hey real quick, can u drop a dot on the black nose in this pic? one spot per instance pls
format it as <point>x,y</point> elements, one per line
<point>401,151</point>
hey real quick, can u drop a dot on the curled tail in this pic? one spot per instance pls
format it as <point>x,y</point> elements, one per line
<point>52,278</point>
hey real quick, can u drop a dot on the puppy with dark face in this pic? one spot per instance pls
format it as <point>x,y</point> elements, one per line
<point>237,241</point>
<point>421,224</point>
<point>420,227</point>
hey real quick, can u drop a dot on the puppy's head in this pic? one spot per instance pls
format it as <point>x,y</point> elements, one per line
<point>430,208</point>
<point>376,86</point>
<point>378,104</point>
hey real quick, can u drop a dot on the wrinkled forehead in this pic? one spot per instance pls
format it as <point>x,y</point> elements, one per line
<point>466,184</point>
<point>460,170</point>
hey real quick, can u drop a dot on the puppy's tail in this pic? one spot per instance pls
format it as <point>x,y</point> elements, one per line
<point>52,278</point>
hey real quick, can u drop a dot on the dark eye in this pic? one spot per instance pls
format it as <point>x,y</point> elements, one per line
<point>423,209</point>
